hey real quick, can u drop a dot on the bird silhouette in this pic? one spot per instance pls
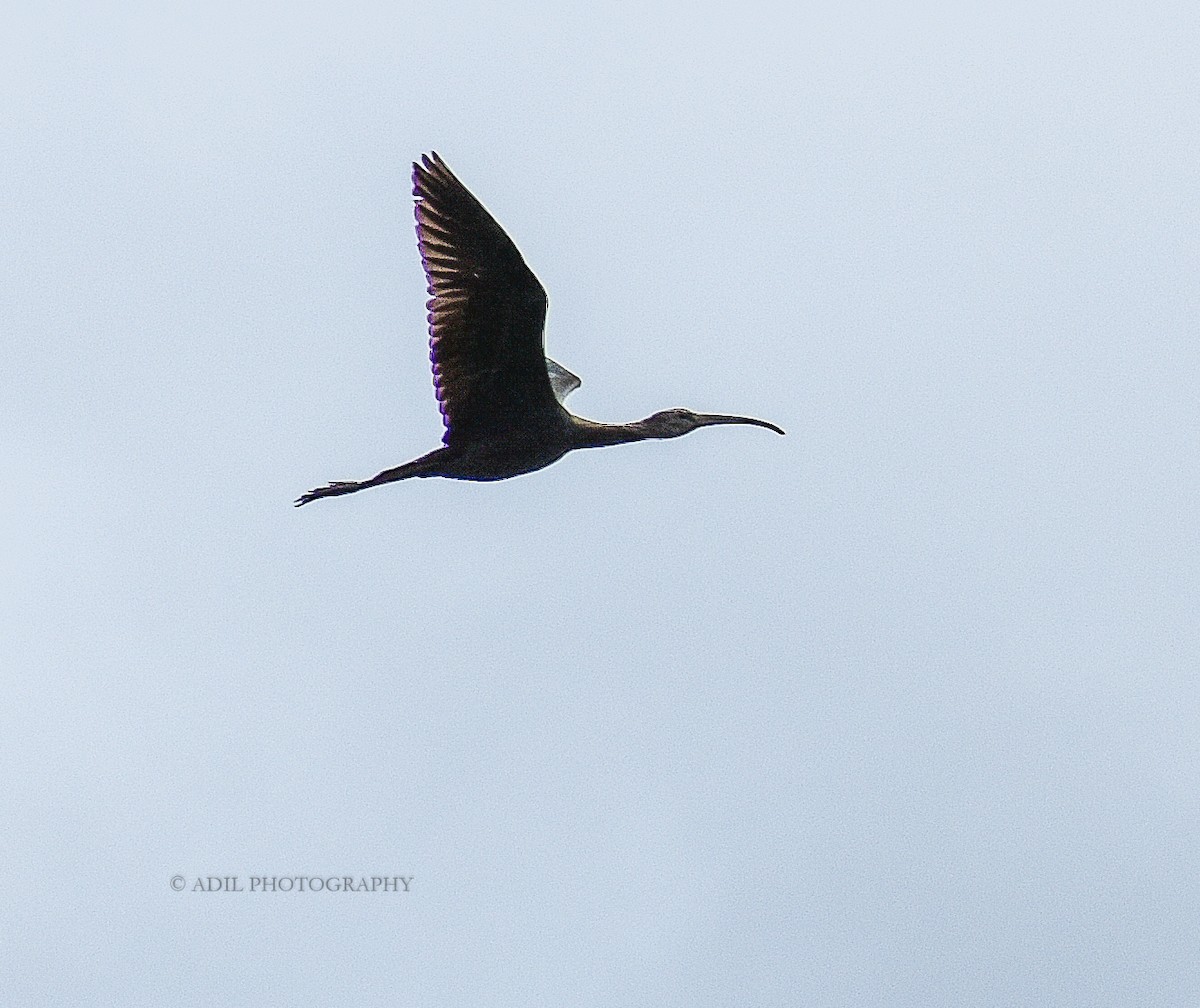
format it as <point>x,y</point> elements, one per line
<point>500,396</point>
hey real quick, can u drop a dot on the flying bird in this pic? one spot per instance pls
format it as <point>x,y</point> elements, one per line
<point>500,397</point>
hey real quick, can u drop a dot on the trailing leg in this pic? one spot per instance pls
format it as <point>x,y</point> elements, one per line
<point>426,465</point>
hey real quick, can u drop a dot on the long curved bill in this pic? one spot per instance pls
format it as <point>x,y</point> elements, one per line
<point>708,419</point>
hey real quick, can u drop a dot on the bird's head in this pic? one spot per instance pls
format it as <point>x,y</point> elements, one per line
<point>677,422</point>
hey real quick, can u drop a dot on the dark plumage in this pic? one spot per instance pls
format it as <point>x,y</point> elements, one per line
<point>500,396</point>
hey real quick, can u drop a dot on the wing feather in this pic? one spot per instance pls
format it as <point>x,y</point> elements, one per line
<point>561,380</point>
<point>486,314</point>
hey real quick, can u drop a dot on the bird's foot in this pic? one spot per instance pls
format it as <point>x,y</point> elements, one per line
<point>329,490</point>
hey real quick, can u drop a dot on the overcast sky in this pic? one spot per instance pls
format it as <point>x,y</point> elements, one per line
<point>900,709</point>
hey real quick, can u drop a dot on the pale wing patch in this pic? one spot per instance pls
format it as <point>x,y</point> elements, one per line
<point>561,380</point>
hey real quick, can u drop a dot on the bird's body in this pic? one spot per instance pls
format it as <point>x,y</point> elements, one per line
<point>500,396</point>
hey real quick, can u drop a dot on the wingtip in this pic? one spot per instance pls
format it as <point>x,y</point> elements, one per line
<point>429,165</point>
<point>430,162</point>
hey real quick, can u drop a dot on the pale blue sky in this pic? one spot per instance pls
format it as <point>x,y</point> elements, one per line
<point>900,709</point>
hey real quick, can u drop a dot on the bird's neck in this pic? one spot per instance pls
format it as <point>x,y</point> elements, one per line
<point>589,434</point>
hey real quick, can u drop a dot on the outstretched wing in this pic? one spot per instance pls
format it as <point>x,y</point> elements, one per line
<point>486,314</point>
